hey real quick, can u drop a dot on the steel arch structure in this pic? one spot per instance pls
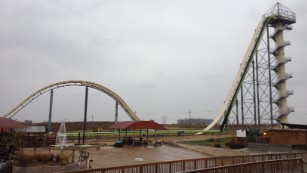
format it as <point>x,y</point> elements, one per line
<point>93,85</point>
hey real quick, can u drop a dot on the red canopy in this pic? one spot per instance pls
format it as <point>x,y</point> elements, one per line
<point>138,125</point>
<point>6,123</point>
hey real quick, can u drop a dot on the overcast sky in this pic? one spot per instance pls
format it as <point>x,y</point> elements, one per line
<point>162,57</point>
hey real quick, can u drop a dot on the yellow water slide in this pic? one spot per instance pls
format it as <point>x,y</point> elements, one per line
<point>244,67</point>
<point>93,85</point>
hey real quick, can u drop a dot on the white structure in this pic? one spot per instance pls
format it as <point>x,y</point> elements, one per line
<point>61,136</point>
<point>241,133</point>
<point>283,18</point>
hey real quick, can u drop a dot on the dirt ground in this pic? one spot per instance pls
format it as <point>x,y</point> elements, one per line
<point>104,154</point>
<point>109,156</point>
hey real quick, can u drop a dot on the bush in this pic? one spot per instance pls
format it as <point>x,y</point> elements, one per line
<point>233,145</point>
<point>45,157</point>
<point>38,157</point>
<point>51,156</point>
<point>217,145</point>
<point>58,158</point>
<point>211,140</point>
<point>63,158</point>
<point>25,158</point>
<point>10,143</point>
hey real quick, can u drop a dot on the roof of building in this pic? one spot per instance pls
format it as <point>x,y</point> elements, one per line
<point>6,123</point>
<point>295,126</point>
<point>138,125</point>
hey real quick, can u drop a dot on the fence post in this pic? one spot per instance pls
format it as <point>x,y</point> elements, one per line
<point>262,166</point>
<point>302,165</point>
<point>215,162</point>
<point>222,162</point>
<point>156,168</point>
<point>141,169</point>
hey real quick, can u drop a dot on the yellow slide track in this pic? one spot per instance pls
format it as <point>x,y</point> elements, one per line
<point>244,67</point>
<point>96,86</point>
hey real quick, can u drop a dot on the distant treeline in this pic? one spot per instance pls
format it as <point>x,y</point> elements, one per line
<point>104,126</point>
<point>78,126</point>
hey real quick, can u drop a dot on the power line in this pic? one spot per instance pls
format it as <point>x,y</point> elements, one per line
<point>153,113</point>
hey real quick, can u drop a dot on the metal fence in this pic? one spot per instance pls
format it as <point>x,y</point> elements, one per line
<point>271,166</point>
<point>204,163</point>
<point>5,167</point>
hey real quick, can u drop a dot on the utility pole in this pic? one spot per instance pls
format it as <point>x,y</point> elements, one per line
<point>163,119</point>
<point>190,117</point>
<point>92,118</point>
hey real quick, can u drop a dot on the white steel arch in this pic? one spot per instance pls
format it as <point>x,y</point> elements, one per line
<point>93,85</point>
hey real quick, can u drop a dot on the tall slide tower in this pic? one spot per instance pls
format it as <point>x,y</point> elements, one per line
<point>258,96</point>
<point>282,21</point>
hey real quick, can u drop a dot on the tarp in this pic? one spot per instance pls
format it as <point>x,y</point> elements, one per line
<point>33,129</point>
<point>6,123</point>
<point>138,125</point>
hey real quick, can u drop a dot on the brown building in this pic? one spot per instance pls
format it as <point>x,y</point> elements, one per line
<point>286,137</point>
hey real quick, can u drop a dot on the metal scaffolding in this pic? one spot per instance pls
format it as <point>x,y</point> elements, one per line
<point>262,98</point>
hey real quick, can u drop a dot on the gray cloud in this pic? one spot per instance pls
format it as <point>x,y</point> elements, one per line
<point>162,57</point>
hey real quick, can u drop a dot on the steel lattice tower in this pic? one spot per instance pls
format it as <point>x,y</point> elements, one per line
<point>262,98</point>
